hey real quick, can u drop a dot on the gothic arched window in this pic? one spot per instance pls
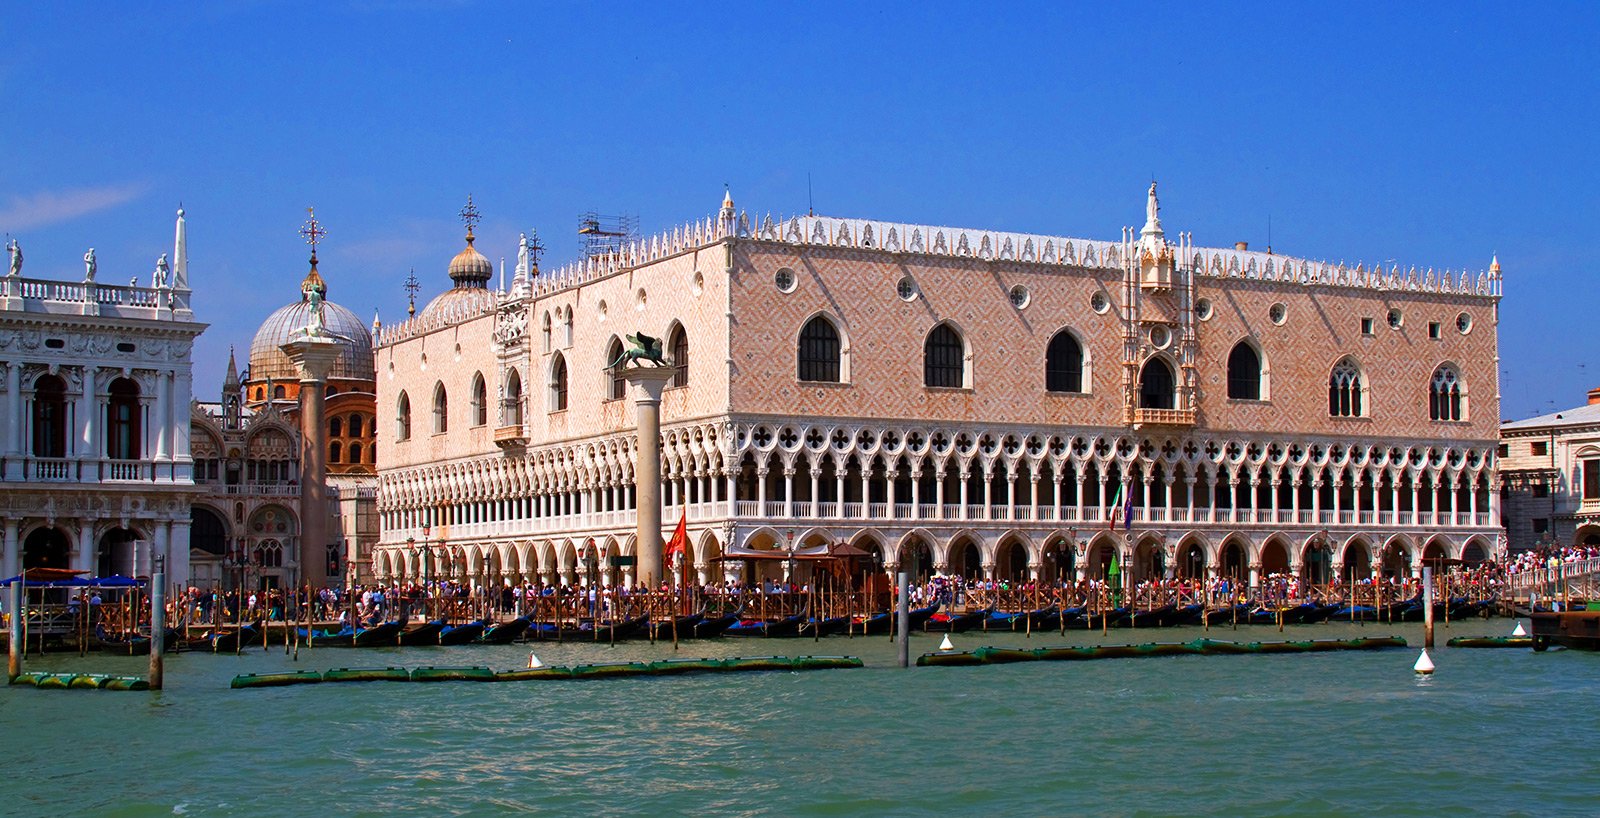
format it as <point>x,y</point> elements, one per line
<point>1346,390</point>
<point>618,386</point>
<point>1444,394</point>
<point>944,358</point>
<point>480,400</point>
<point>819,351</point>
<point>441,409</point>
<point>558,383</point>
<point>511,411</point>
<point>1157,387</point>
<point>678,343</point>
<point>1063,364</point>
<point>1244,372</point>
<point>49,417</point>
<point>402,418</point>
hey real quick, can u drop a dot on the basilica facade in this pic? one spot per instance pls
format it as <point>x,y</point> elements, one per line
<point>963,401</point>
<point>95,454</point>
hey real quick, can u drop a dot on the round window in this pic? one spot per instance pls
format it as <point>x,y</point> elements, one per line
<point>1395,319</point>
<point>642,298</point>
<point>906,288</point>
<point>1202,309</point>
<point>1020,296</point>
<point>1099,303</point>
<point>699,285</point>
<point>1160,337</point>
<point>1464,323</point>
<point>1278,313</point>
<point>784,279</point>
<point>603,309</point>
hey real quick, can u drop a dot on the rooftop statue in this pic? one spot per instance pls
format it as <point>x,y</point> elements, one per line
<point>89,265</point>
<point>314,321</point>
<point>642,348</point>
<point>1152,207</point>
<point>162,269</point>
<point>15,249</point>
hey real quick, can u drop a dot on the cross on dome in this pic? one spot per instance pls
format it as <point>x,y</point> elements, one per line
<point>470,217</point>
<point>313,231</point>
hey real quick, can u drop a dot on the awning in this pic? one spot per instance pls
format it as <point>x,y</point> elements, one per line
<point>814,553</point>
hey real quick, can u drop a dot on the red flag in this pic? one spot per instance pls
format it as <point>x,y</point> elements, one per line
<point>680,537</point>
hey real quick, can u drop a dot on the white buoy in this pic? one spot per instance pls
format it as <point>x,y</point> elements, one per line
<point>947,644</point>
<point>1424,665</point>
<point>533,661</point>
<point>1519,631</point>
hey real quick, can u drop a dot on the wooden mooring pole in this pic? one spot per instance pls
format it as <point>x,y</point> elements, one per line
<point>14,610</point>
<point>1427,607</point>
<point>903,617</point>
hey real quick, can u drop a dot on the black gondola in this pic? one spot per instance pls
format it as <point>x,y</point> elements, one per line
<point>506,632</point>
<point>946,623</point>
<point>683,626</point>
<point>462,634</point>
<point>425,634</point>
<point>708,628</point>
<point>384,635</point>
<point>230,641</point>
<point>787,626</point>
<point>614,631</point>
<point>825,627</point>
<point>1228,615</point>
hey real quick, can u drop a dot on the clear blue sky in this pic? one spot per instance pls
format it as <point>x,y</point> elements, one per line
<point>1434,135</point>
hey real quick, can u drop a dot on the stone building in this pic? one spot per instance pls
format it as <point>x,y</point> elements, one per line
<point>1550,468</point>
<point>956,400</point>
<point>247,450</point>
<point>96,381</point>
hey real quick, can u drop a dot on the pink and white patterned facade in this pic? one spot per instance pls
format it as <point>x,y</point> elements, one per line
<point>956,400</point>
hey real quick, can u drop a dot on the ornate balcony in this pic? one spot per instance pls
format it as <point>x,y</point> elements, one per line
<point>1163,417</point>
<point>511,437</point>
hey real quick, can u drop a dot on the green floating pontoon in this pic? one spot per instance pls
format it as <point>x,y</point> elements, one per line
<point>533,674</point>
<point>1198,647</point>
<point>615,670</point>
<point>298,677</point>
<point>1490,642</point>
<point>81,681</point>
<point>674,667</point>
<point>367,674</point>
<point>826,663</point>
<point>452,674</point>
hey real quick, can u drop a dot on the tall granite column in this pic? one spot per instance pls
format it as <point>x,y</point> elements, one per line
<point>647,382</point>
<point>313,356</point>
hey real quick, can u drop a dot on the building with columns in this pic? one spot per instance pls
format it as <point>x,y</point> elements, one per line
<point>966,401</point>
<point>249,521</point>
<point>1550,467</point>
<point>95,458</point>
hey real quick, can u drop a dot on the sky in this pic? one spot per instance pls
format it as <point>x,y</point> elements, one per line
<point>1428,135</point>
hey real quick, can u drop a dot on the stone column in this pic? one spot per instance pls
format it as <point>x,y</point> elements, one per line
<point>313,356</point>
<point>88,443</point>
<point>11,557</point>
<point>647,383</point>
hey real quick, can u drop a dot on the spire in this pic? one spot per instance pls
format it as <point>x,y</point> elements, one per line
<point>376,324</point>
<point>727,214</point>
<point>180,269</point>
<point>231,382</point>
<point>1494,266</point>
<point>313,231</point>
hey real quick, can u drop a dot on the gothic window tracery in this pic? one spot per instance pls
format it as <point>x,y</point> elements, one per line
<point>1346,390</point>
<point>1445,394</point>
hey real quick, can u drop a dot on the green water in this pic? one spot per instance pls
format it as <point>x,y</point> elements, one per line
<point>1494,732</point>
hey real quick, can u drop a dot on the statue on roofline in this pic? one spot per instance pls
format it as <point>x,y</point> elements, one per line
<point>14,247</point>
<point>89,266</point>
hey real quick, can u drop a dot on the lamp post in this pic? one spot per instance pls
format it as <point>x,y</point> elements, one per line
<point>788,571</point>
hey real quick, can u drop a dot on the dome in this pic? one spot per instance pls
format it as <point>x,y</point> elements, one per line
<point>470,265</point>
<point>355,355</point>
<point>464,299</point>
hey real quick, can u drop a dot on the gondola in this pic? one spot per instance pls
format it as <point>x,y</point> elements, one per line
<point>506,632</point>
<point>824,627</point>
<point>612,631</point>
<point>1358,613</point>
<point>946,623</point>
<point>1018,620</point>
<point>714,626</point>
<point>883,622</point>
<point>383,635</point>
<point>1186,614</point>
<point>683,627</point>
<point>462,634</point>
<point>1153,618</point>
<point>1460,608</point>
<point>787,626</point>
<point>230,641</point>
<point>1226,615</point>
<point>327,639</point>
<point>425,634</point>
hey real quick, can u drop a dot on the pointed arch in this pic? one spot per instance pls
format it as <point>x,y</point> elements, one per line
<point>1347,389</point>
<point>820,351</point>
<point>945,358</point>
<point>480,400</point>
<point>558,383</point>
<point>1447,394</point>
<point>511,404</point>
<point>615,384</point>
<point>1246,372</point>
<point>441,409</point>
<point>1066,363</point>
<point>402,417</point>
<point>1158,386</point>
<point>678,348</point>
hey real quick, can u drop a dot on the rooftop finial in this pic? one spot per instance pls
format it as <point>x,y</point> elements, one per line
<point>1494,266</point>
<point>313,231</point>
<point>470,217</point>
<point>411,286</point>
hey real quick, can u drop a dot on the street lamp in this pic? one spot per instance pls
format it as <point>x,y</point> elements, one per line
<point>788,574</point>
